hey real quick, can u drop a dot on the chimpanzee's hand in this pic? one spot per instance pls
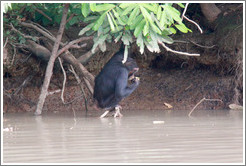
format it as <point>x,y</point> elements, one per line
<point>136,80</point>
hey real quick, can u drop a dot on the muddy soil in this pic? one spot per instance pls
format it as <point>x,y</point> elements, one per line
<point>176,80</point>
<point>181,88</point>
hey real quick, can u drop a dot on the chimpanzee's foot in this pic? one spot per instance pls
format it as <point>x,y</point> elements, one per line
<point>117,111</point>
<point>104,114</point>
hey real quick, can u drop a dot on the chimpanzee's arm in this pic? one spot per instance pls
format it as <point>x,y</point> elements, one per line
<point>122,89</point>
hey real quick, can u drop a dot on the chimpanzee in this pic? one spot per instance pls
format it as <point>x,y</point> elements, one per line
<point>111,84</point>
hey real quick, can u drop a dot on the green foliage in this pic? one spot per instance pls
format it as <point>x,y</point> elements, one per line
<point>46,14</point>
<point>147,23</point>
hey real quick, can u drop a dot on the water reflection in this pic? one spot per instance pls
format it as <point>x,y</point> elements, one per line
<point>207,137</point>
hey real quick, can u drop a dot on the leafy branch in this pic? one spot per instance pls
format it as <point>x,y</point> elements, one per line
<point>147,24</point>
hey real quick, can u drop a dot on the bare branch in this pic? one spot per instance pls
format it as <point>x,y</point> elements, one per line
<point>200,29</point>
<point>70,44</point>
<point>183,16</point>
<point>81,87</point>
<point>72,15</point>
<point>45,15</point>
<point>177,52</point>
<point>6,42</point>
<point>184,11</point>
<point>15,30</point>
<point>50,65</point>
<point>64,81</point>
<point>201,45</point>
<point>203,99</point>
<point>40,31</point>
<point>85,57</point>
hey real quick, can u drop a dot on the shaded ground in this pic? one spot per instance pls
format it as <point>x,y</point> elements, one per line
<point>182,88</point>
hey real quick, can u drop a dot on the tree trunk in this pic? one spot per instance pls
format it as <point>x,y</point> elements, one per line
<point>49,69</point>
<point>210,11</point>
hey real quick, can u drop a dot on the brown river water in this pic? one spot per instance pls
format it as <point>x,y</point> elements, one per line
<point>138,137</point>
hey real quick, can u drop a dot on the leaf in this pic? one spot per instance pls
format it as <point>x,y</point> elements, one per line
<point>168,105</point>
<point>104,7</point>
<point>140,43</point>
<point>90,18</point>
<point>139,28</point>
<point>93,7</point>
<point>133,15</point>
<point>173,30</point>
<point>174,14</point>
<point>159,13</point>
<point>163,19</point>
<point>110,22</point>
<point>150,48</point>
<point>116,14</point>
<point>113,20</point>
<point>181,5</point>
<point>85,9</point>
<point>102,46</point>
<point>85,29</point>
<point>106,30</point>
<point>127,39</point>
<point>167,32</point>
<point>125,54</point>
<point>99,22</point>
<point>136,22</point>
<point>181,27</point>
<point>118,37</point>
<point>146,28</point>
<point>124,5</point>
<point>73,20</point>
<point>150,7</point>
<point>99,40</point>
<point>128,9</point>
<point>165,39</point>
<point>154,42</point>
<point>155,28</point>
<point>146,14</point>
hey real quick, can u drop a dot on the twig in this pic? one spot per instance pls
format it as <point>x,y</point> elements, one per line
<point>23,84</point>
<point>70,44</point>
<point>183,16</point>
<point>43,28</point>
<point>46,34</point>
<point>201,45</point>
<point>13,59</point>
<point>81,87</point>
<point>63,86</point>
<point>45,15</point>
<point>184,11</point>
<point>71,16</point>
<point>74,116</point>
<point>53,92</point>
<point>200,29</point>
<point>25,36</point>
<point>177,52</point>
<point>64,80</point>
<point>6,42</point>
<point>204,99</point>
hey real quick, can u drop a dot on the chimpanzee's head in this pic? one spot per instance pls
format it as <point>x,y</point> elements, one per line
<point>132,67</point>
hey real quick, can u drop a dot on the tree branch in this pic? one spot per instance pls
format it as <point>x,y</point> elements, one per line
<point>50,66</point>
<point>183,16</point>
<point>203,99</point>
<point>177,52</point>
<point>70,44</point>
<point>45,15</point>
<point>85,57</point>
